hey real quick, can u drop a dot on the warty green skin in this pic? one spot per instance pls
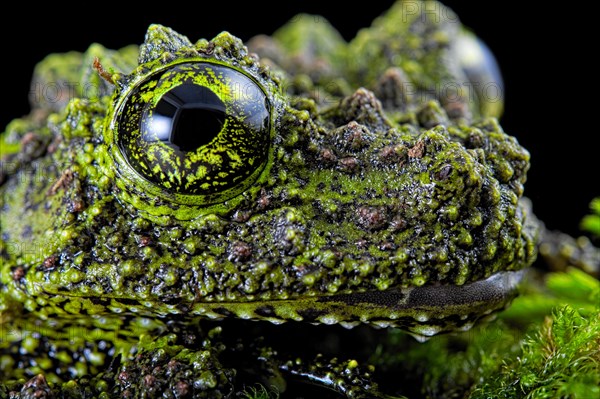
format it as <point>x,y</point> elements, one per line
<point>368,193</point>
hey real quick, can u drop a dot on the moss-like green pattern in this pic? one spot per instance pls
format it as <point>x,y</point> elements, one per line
<point>319,200</point>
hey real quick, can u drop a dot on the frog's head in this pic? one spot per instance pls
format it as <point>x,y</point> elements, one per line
<point>210,184</point>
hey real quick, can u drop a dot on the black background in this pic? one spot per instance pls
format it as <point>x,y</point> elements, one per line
<point>549,104</point>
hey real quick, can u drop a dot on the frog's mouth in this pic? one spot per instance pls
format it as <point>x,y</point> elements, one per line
<point>423,311</point>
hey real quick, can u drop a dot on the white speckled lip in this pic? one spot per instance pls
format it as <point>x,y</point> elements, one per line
<point>428,310</point>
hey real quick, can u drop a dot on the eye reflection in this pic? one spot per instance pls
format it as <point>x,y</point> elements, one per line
<point>159,127</point>
<point>185,118</point>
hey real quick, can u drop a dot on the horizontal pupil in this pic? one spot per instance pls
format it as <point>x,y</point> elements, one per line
<point>188,117</point>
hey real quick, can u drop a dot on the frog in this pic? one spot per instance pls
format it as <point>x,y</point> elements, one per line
<point>185,219</point>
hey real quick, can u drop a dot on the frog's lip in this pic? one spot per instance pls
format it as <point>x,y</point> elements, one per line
<point>423,311</point>
<point>427,310</point>
<point>490,290</point>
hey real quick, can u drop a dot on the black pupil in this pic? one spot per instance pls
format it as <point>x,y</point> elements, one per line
<point>188,117</point>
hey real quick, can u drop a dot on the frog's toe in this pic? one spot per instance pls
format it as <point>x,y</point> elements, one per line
<point>346,377</point>
<point>164,366</point>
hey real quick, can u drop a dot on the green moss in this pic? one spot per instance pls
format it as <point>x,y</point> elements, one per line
<point>560,358</point>
<point>591,222</point>
<point>546,345</point>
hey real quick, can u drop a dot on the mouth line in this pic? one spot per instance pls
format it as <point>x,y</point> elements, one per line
<point>422,311</point>
<point>496,288</point>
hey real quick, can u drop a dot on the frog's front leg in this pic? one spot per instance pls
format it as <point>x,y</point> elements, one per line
<point>344,376</point>
<point>179,365</point>
<point>105,357</point>
<point>561,251</point>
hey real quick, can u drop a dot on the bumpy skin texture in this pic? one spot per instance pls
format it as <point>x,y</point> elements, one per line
<point>377,174</point>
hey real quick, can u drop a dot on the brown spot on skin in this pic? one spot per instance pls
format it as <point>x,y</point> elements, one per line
<point>349,164</point>
<point>391,89</point>
<point>172,365</point>
<point>393,154</point>
<point>397,223</point>
<point>144,241</point>
<point>240,251</point>
<point>123,377</point>
<point>149,380</point>
<point>387,246</point>
<point>361,243</point>
<point>355,138</point>
<point>327,155</point>
<point>241,216</point>
<point>443,173</point>
<point>54,144</point>
<point>476,139</point>
<point>264,200</point>
<point>18,273</point>
<point>28,138</point>
<point>300,269</point>
<point>387,151</point>
<point>363,107</point>
<point>76,206</point>
<point>350,138</point>
<point>418,150</point>
<point>32,145</point>
<point>50,262</point>
<point>209,49</point>
<point>182,389</point>
<point>457,110</point>
<point>63,181</point>
<point>371,218</point>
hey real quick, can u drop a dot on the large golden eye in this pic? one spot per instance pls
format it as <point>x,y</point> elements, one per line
<point>196,129</point>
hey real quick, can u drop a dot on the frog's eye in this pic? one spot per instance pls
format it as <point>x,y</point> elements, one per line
<point>196,129</point>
